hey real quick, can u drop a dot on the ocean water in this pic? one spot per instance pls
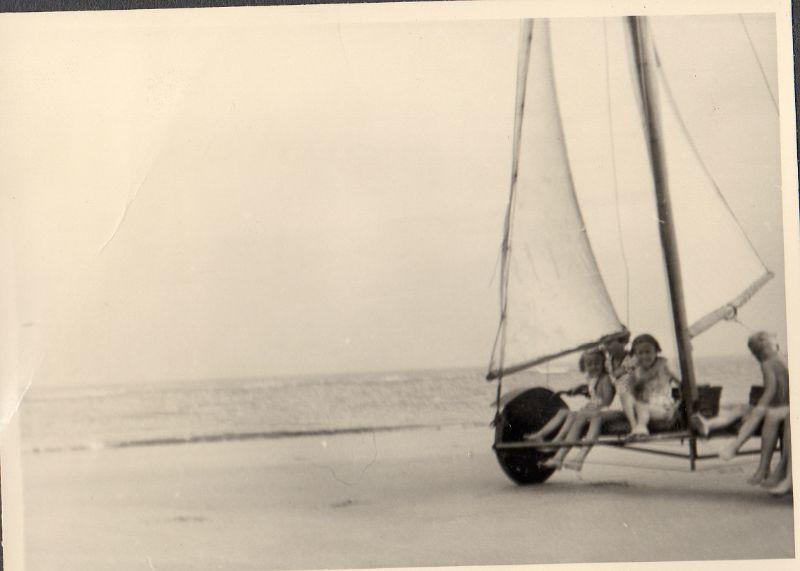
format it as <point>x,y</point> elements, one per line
<point>61,419</point>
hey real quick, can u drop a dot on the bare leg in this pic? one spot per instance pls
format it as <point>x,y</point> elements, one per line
<point>552,425</point>
<point>565,428</point>
<point>779,473</point>
<point>578,422</point>
<point>592,434</point>
<point>747,430</point>
<point>769,438</point>
<point>786,484</point>
<point>705,426</point>
<point>628,407</point>
<point>642,418</point>
<point>776,416</point>
<point>776,476</point>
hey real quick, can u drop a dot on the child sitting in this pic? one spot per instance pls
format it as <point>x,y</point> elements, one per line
<point>770,412</point>
<point>565,418</point>
<point>652,383</point>
<point>601,394</point>
<point>620,365</point>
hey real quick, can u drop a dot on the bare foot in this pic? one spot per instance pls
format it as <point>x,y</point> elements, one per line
<point>639,432</point>
<point>576,465</point>
<point>757,478</point>
<point>773,479</point>
<point>553,463</point>
<point>728,451</point>
<point>699,425</point>
<point>533,437</point>
<point>783,488</point>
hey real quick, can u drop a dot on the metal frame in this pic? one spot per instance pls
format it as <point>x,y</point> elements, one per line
<point>625,442</point>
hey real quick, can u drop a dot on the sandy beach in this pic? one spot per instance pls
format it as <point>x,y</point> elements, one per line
<point>389,499</point>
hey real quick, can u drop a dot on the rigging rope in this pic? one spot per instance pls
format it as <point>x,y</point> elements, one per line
<point>760,65</point>
<point>735,319</point>
<point>616,181</point>
<point>673,104</point>
<point>526,36</point>
<point>743,324</point>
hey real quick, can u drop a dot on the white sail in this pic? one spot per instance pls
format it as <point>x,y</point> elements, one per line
<point>554,299</point>
<point>720,268</point>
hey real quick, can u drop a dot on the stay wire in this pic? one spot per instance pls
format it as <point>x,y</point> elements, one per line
<point>674,105</point>
<point>738,321</point>
<point>760,65</point>
<point>526,37</point>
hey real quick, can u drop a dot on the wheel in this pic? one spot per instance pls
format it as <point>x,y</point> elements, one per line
<point>526,413</point>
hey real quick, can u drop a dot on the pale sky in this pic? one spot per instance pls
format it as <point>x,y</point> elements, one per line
<point>195,201</point>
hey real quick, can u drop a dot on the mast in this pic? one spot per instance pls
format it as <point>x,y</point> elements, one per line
<point>641,44</point>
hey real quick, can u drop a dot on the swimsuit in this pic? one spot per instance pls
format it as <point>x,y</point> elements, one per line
<point>621,375</point>
<point>654,386</point>
<point>594,398</point>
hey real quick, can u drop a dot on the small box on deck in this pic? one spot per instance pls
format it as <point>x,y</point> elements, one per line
<point>708,400</point>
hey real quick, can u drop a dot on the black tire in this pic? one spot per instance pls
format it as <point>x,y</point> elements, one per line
<point>526,413</point>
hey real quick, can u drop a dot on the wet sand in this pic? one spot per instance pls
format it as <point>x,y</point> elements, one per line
<point>392,499</point>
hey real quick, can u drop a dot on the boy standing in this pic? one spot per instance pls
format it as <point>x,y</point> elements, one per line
<point>771,409</point>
